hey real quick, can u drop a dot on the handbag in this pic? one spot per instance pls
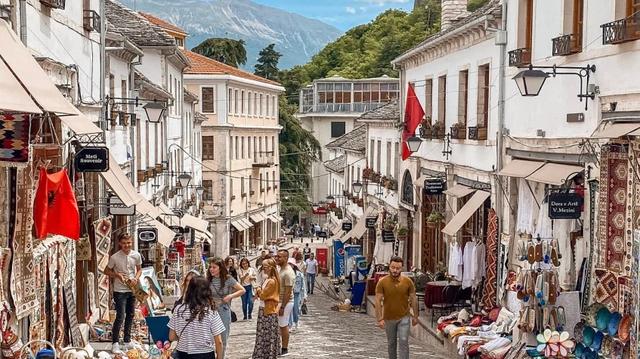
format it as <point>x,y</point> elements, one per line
<point>234,317</point>
<point>304,309</point>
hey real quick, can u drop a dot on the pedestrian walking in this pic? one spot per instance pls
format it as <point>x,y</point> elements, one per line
<point>247,276</point>
<point>125,266</point>
<point>230,263</point>
<point>287,280</point>
<point>273,249</point>
<point>306,251</point>
<point>267,344</point>
<point>299,295</point>
<point>196,324</point>
<point>396,308</point>
<point>312,271</point>
<point>263,254</point>
<point>223,288</point>
<point>300,263</point>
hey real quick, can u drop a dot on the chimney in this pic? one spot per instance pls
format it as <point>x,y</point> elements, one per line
<point>452,11</point>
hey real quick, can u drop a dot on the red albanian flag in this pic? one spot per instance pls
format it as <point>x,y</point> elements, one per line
<point>55,210</point>
<point>413,114</point>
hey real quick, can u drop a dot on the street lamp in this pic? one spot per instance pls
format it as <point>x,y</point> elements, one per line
<point>184,180</point>
<point>155,111</point>
<point>530,81</point>
<point>357,187</point>
<point>414,143</point>
<point>200,191</point>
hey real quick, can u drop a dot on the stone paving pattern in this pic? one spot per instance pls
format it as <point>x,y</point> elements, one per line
<point>324,333</point>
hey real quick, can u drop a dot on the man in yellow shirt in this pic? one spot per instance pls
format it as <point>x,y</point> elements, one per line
<point>396,306</point>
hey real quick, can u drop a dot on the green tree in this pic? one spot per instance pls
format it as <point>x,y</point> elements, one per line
<point>298,150</point>
<point>267,65</point>
<point>228,51</point>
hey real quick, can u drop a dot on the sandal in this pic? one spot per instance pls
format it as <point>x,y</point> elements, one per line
<point>546,250</point>
<point>555,253</point>
<point>531,253</point>
<point>521,284</point>
<point>553,288</point>
<point>538,253</point>
<point>540,288</point>
<point>561,320</point>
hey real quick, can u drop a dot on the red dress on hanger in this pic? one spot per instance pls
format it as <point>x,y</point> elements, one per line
<point>55,210</point>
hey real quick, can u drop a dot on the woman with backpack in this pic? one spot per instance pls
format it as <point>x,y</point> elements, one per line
<point>299,295</point>
<point>196,324</point>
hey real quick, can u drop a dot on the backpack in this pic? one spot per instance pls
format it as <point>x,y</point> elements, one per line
<point>299,283</point>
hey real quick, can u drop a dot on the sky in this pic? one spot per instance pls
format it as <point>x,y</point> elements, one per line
<point>343,14</point>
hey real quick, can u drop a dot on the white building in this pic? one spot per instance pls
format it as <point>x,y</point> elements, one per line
<point>241,171</point>
<point>455,76</point>
<point>329,107</point>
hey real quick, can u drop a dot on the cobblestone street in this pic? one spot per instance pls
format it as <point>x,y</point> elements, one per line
<point>325,334</point>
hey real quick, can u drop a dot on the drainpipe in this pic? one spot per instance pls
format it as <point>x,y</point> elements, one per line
<point>502,36</point>
<point>23,21</point>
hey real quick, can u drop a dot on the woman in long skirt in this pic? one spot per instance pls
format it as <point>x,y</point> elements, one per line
<point>268,331</point>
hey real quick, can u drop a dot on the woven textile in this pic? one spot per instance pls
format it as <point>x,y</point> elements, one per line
<point>606,289</point>
<point>490,289</point>
<point>14,140</point>
<point>23,287</point>
<point>102,230</point>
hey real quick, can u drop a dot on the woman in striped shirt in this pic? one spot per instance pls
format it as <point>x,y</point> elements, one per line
<point>196,324</point>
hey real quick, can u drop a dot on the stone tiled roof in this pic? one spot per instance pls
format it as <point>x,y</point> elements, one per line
<point>356,140</point>
<point>135,27</point>
<point>388,112</point>
<point>189,96</point>
<point>162,23</point>
<point>337,164</point>
<point>142,82</point>
<point>203,65</point>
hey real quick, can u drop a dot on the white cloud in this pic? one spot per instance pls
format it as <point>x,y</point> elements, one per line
<point>350,10</point>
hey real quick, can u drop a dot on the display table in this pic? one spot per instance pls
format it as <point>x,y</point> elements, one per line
<point>434,292</point>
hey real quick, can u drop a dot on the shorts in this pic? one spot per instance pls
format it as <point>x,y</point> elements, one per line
<point>283,321</point>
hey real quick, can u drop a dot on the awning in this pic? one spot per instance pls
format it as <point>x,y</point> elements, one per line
<point>120,184</point>
<point>520,168</point>
<point>615,129</point>
<point>246,223</point>
<point>202,237</point>
<point>337,235</point>
<point>166,210</point>
<point>35,81</point>
<point>273,218</point>
<point>277,216</point>
<point>144,207</point>
<point>12,96</point>
<point>466,212</point>
<point>196,223</point>
<point>239,225</point>
<point>554,173</point>
<point>334,227</point>
<point>258,217</point>
<point>358,230</point>
<point>459,191</point>
<point>165,234</point>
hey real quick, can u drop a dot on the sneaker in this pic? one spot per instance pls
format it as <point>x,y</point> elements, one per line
<point>284,352</point>
<point>115,348</point>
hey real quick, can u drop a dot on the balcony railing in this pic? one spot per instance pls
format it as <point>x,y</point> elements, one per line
<point>91,21</point>
<point>341,107</point>
<point>54,4</point>
<point>520,57</point>
<point>477,133</point>
<point>623,30</point>
<point>566,45</point>
<point>264,159</point>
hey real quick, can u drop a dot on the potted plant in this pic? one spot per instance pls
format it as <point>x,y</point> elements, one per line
<point>437,130</point>
<point>458,131</point>
<point>402,233</point>
<point>366,173</point>
<point>434,218</point>
<point>425,127</point>
<point>389,224</point>
<point>375,177</point>
<point>391,184</point>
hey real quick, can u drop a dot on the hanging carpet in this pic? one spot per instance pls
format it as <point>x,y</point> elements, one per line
<point>14,140</point>
<point>102,230</point>
<point>490,287</point>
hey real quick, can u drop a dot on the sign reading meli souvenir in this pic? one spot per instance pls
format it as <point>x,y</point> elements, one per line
<point>434,186</point>
<point>565,205</point>
<point>370,222</point>
<point>92,159</point>
<point>346,226</point>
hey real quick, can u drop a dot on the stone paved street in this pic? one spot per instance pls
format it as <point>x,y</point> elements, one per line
<point>325,334</point>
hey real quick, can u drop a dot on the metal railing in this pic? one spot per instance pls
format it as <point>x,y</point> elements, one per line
<point>264,159</point>
<point>627,29</point>
<point>520,57</point>
<point>341,107</point>
<point>566,45</point>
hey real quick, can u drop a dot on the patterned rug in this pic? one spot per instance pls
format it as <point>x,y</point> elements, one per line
<point>606,288</point>
<point>22,282</point>
<point>14,140</point>
<point>102,230</point>
<point>490,289</point>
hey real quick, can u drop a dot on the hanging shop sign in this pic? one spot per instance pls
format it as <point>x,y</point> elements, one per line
<point>117,208</point>
<point>565,205</point>
<point>178,229</point>
<point>434,186</point>
<point>322,234</point>
<point>370,222</point>
<point>92,159</point>
<point>387,236</point>
<point>320,210</point>
<point>346,226</point>
<point>147,235</point>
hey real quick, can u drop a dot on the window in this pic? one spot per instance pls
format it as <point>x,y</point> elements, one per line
<point>249,104</point>
<point>260,144</point>
<point>268,183</point>
<point>267,113</point>
<point>463,92</point>
<point>273,145</point>
<point>242,103</point>
<point>242,192</point>
<point>230,100</point>
<point>248,146</point>
<point>428,98</point>
<point>208,149</point>
<point>396,161</point>
<point>578,19</point>
<point>231,147</point>
<point>388,163</point>
<point>442,99</point>
<point>236,148</point>
<point>207,100</point>
<point>378,164</point>
<point>261,105</point>
<point>255,104</point>
<point>208,190</point>
<point>242,147</point>
<point>250,184</point>
<point>632,8</point>
<point>273,106</point>
<point>175,95</point>
<point>235,102</point>
<point>231,187</point>
<point>275,185</point>
<point>525,24</point>
<point>261,184</point>
<point>483,96</point>
<point>337,129</point>
<point>372,147</point>
<point>255,148</point>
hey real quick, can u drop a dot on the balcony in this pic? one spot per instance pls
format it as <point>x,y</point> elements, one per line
<point>264,159</point>
<point>520,57</point>
<point>91,21</point>
<point>623,30</point>
<point>54,4</point>
<point>341,107</point>
<point>566,45</point>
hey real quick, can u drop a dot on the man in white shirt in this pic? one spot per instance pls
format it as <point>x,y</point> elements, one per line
<point>125,267</point>
<point>312,270</point>
<point>273,249</point>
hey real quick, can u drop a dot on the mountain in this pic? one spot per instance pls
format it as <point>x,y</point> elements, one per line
<point>296,37</point>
